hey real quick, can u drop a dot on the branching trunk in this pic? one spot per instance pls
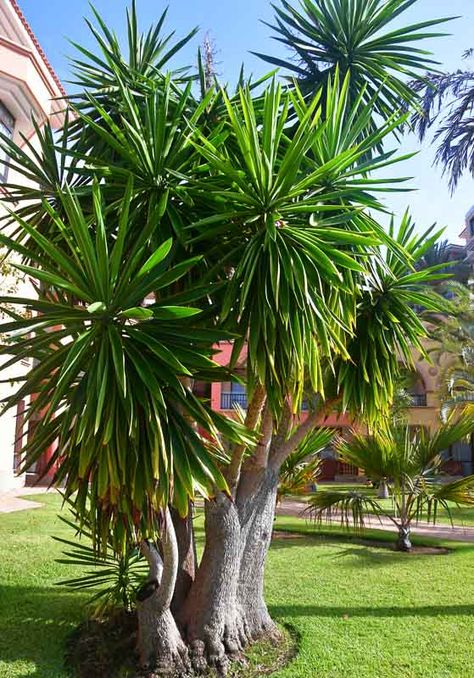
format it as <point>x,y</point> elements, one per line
<point>253,413</point>
<point>219,607</point>
<point>160,644</point>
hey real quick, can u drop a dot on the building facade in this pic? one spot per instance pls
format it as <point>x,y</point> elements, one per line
<point>423,386</point>
<point>29,88</point>
<point>468,234</point>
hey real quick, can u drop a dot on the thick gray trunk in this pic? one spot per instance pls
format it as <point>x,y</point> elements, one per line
<point>257,509</point>
<point>210,618</point>
<point>161,647</point>
<point>225,609</point>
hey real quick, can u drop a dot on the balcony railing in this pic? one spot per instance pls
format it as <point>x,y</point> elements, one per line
<point>418,400</point>
<point>229,400</point>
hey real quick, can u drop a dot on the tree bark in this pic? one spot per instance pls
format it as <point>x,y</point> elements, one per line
<point>187,557</point>
<point>210,618</point>
<point>161,647</point>
<point>225,609</point>
<point>403,540</point>
<point>257,515</point>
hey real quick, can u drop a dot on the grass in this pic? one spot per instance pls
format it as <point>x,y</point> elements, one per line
<point>372,612</point>
<point>357,610</point>
<point>35,615</point>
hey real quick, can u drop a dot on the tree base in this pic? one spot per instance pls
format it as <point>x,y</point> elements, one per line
<point>159,637</point>
<point>107,648</point>
<point>403,540</point>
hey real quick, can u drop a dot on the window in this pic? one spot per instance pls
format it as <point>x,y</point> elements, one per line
<point>237,395</point>
<point>7,124</point>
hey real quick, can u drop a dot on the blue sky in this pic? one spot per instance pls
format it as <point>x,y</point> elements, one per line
<point>235,28</point>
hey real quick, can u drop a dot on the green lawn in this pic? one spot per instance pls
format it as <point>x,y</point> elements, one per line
<point>35,615</point>
<point>358,610</point>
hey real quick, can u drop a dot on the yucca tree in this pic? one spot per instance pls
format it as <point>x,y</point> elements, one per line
<point>159,231</point>
<point>291,227</point>
<point>109,374</point>
<point>389,326</point>
<point>359,37</point>
<point>409,463</point>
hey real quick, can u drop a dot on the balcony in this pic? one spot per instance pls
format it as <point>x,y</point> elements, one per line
<point>418,400</point>
<point>230,400</point>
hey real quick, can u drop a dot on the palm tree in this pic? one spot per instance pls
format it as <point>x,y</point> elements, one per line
<point>301,468</point>
<point>160,224</point>
<point>441,253</point>
<point>409,463</point>
<point>447,102</point>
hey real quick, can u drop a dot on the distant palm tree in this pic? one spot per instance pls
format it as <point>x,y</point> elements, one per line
<point>409,464</point>
<point>452,262</point>
<point>302,467</point>
<point>454,337</point>
<point>448,103</point>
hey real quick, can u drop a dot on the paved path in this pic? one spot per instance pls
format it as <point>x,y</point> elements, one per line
<point>14,500</point>
<point>290,507</point>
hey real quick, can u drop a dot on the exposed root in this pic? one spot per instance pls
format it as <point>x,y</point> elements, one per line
<point>216,648</point>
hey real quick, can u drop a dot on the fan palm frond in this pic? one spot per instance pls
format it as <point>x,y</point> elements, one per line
<point>302,467</point>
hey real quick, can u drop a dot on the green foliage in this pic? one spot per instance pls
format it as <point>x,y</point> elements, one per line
<point>163,224</point>
<point>113,577</point>
<point>108,379</point>
<point>352,507</point>
<point>295,228</point>
<point>302,467</point>
<point>352,35</point>
<point>388,326</point>
<point>145,56</point>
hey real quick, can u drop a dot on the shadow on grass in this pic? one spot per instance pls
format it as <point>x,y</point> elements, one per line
<point>34,624</point>
<point>375,548</point>
<point>372,538</point>
<point>367,556</point>
<point>285,611</point>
